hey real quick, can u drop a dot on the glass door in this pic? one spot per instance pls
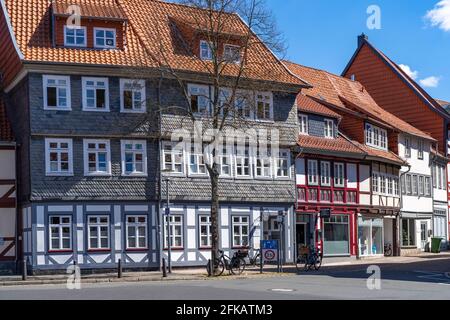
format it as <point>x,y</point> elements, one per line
<point>423,235</point>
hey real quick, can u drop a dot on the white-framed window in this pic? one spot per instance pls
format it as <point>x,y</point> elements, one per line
<point>396,187</point>
<point>132,96</point>
<point>206,50</point>
<point>263,164</point>
<point>134,157</point>
<point>339,175</point>
<point>74,36</point>
<point>173,158</point>
<point>136,232</point>
<point>243,104</point>
<point>283,164</point>
<point>329,129</point>
<point>56,92</point>
<point>427,186</point>
<point>197,164</point>
<point>226,162</point>
<point>231,53</point>
<point>199,98</point>
<point>313,173</point>
<point>95,94</point>
<point>176,231</point>
<point>105,38</point>
<point>420,149</point>
<point>241,226</point>
<point>421,185</point>
<point>264,106</point>
<point>60,233</point>
<point>242,161</point>
<point>390,186</point>
<point>58,157</point>
<point>408,184</point>
<point>383,184</point>
<point>97,157</point>
<point>407,147</point>
<point>98,232</point>
<point>205,231</point>
<point>375,183</point>
<point>376,137</point>
<point>325,173</point>
<point>303,120</point>
<point>415,186</point>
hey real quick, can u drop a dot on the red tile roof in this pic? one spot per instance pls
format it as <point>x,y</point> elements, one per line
<point>380,154</point>
<point>318,144</point>
<point>347,94</point>
<point>5,127</point>
<point>306,104</point>
<point>106,9</point>
<point>152,39</point>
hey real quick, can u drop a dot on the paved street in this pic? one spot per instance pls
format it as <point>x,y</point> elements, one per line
<point>424,279</point>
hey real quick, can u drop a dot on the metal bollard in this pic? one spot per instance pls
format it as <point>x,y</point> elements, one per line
<point>24,270</point>
<point>119,269</point>
<point>164,269</point>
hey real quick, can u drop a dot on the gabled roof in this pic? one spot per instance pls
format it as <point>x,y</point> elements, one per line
<point>349,95</point>
<point>417,89</point>
<point>308,105</point>
<point>6,134</point>
<point>152,39</point>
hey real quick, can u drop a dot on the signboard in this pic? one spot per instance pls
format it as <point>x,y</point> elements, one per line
<point>269,250</point>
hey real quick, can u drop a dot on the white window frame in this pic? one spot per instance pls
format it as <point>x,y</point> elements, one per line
<point>241,235</point>
<point>246,97</point>
<point>200,160</point>
<point>196,90</point>
<point>313,173</point>
<point>261,163</point>
<point>173,236</point>
<point>339,174</point>
<point>87,151</point>
<point>415,185</point>
<point>239,161</point>
<point>134,151</point>
<point>228,154</point>
<point>420,149</point>
<point>105,46</point>
<point>136,224</point>
<point>304,127</point>
<point>208,235</point>
<point>98,225</point>
<point>267,97</point>
<point>421,185</point>
<point>427,186</point>
<point>409,187</point>
<point>229,58</point>
<point>329,129</point>
<point>283,155</point>
<point>325,173</point>
<point>45,85</point>
<point>95,88</point>
<point>209,55</point>
<point>173,152</point>
<point>141,108</point>
<point>75,28</point>
<point>60,227</point>
<point>407,147</point>
<point>48,172</point>
<point>376,137</point>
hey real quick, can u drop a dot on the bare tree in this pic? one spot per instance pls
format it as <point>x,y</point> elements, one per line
<point>245,26</point>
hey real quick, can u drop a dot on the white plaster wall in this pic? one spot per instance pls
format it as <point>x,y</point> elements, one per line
<point>8,165</point>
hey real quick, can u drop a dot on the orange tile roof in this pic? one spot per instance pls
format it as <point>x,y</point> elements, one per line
<point>348,94</point>
<point>339,144</point>
<point>152,39</point>
<point>381,154</point>
<point>100,9</point>
<point>306,104</point>
<point>5,127</point>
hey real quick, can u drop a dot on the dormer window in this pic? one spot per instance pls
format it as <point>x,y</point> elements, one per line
<point>205,50</point>
<point>105,38</point>
<point>376,137</point>
<point>74,36</point>
<point>232,53</point>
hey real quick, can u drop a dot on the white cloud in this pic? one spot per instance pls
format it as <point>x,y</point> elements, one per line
<point>409,71</point>
<point>439,16</point>
<point>430,82</point>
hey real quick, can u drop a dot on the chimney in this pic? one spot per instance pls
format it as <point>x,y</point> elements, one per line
<point>361,39</point>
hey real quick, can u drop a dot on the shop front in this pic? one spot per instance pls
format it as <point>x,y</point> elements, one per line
<point>370,236</point>
<point>339,235</point>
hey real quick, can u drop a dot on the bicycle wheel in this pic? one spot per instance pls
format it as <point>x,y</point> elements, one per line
<point>317,262</point>
<point>237,266</point>
<point>257,260</point>
<point>300,262</point>
<point>219,267</point>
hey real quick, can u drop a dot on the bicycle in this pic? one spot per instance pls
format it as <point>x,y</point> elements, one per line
<point>256,259</point>
<point>235,265</point>
<point>388,250</point>
<point>311,258</point>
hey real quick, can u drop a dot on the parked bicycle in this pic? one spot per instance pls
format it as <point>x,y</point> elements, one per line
<point>308,258</point>
<point>388,250</point>
<point>255,260</point>
<point>235,265</point>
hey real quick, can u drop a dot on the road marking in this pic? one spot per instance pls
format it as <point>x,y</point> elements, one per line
<point>282,290</point>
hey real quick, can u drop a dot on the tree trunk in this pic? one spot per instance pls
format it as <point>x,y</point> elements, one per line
<point>214,216</point>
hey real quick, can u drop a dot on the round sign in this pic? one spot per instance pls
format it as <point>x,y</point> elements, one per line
<point>269,255</point>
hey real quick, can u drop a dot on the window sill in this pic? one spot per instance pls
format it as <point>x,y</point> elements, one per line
<point>132,111</point>
<point>134,175</point>
<point>61,251</point>
<point>99,250</point>
<point>59,174</point>
<point>57,109</point>
<point>104,175</point>
<point>95,110</point>
<point>174,249</point>
<point>136,249</point>
<point>205,248</point>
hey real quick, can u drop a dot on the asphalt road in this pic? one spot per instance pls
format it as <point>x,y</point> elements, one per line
<point>428,279</point>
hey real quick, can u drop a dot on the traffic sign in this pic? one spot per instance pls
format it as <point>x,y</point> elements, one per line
<point>269,250</point>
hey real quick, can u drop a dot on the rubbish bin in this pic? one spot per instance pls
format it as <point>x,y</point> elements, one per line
<point>436,245</point>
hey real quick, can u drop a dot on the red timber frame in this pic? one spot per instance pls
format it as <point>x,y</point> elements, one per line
<point>338,208</point>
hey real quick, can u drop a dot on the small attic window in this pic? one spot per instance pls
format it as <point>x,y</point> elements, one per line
<point>205,50</point>
<point>74,36</point>
<point>105,38</point>
<point>353,77</point>
<point>232,53</point>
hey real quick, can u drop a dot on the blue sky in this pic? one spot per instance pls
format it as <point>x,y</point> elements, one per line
<point>322,34</point>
